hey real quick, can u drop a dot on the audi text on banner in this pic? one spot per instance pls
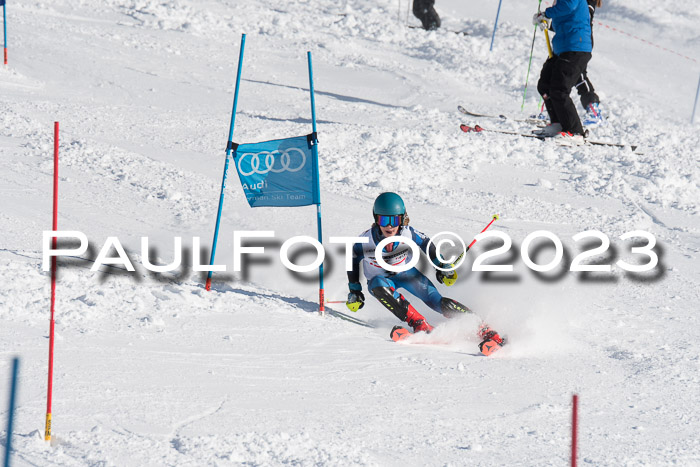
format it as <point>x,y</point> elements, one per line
<point>277,173</point>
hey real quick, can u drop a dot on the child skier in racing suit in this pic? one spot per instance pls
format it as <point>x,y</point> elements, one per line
<point>390,220</point>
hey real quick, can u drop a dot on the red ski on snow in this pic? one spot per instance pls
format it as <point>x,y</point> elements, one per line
<point>487,347</point>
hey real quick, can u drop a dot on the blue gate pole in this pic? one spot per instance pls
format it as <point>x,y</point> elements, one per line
<point>317,183</point>
<point>4,29</point>
<point>495,25</point>
<point>228,153</point>
<point>11,411</point>
<point>697,94</point>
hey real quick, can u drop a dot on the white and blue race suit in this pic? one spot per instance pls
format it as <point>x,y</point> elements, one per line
<point>394,254</point>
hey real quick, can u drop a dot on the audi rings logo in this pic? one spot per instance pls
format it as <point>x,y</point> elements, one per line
<point>289,160</point>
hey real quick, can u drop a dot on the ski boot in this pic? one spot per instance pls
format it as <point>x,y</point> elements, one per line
<point>549,131</point>
<point>567,138</point>
<point>594,116</point>
<point>413,319</point>
<point>490,340</point>
<point>417,321</point>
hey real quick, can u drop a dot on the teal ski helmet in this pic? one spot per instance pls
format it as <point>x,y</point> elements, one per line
<point>387,206</point>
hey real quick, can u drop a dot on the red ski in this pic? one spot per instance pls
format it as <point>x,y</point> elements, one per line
<point>399,333</point>
<point>487,347</point>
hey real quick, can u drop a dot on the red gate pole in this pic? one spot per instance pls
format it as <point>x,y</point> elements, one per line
<point>47,432</point>
<point>574,430</point>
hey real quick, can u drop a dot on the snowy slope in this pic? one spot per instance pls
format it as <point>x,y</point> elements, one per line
<point>154,370</point>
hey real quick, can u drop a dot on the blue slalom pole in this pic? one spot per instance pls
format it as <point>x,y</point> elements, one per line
<point>495,25</point>
<point>11,412</point>
<point>4,29</point>
<point>697,94</point>
<point>228,153</point>
<point>317,188</point>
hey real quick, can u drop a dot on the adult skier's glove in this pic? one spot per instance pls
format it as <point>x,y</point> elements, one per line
<point>446,277</point>
<point>539,19</point>
<point>356,300</point>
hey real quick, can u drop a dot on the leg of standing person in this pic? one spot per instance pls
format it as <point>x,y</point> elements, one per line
<point>544,87</point>
<point>586,91</point>
<point>565,73</point>
<point>424,10</point>
<point>590,102</point>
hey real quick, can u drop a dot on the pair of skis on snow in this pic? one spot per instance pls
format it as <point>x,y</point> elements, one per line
<point>399,333</point>
<point>478,129</point>
<point>486,347</point>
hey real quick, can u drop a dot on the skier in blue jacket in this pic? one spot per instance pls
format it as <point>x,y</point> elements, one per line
<point>572,46</point>
<point>390,219</point>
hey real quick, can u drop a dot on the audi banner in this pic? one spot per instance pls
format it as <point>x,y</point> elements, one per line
<point>277,173</point>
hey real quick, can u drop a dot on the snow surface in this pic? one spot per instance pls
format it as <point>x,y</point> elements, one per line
<point>154,370</point>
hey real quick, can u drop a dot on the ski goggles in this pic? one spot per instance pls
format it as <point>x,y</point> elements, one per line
<point>385,221</point>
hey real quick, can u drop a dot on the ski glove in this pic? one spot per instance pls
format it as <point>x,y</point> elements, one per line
<point>539,19</point>
<point>446,277</point>
<point>356,300</point>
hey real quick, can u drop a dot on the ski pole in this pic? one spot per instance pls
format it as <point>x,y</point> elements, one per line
<point>574,430</point>
<point>4,29</point>
<point>540,105</point>
<point>549,44</point>
<point>529,63</point>
<point>697,93</point>
<point>52,322</point>
<point>495,25</point>
<point>495,217</point>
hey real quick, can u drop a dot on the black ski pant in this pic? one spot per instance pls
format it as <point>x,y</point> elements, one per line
<point>559,74</point>
<point>425,12</point>
<point>586,91</point>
